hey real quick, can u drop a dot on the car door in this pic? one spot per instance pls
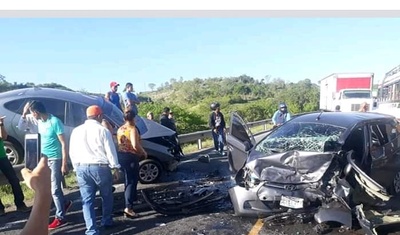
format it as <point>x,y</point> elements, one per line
<point>365,182</point>
<point>383,148</point>
<point>240,141</point>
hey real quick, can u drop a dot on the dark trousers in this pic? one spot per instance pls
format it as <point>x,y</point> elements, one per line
<point>9,173</point>
<point>130,165</point>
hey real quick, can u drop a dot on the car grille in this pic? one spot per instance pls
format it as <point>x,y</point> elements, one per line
<point>355,107</point>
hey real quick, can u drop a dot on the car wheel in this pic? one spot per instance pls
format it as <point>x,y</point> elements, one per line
<point>14,153</point>
<point>396,184</point>
<point>149,171</point>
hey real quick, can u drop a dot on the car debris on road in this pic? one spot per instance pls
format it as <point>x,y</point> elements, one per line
<point>188,197</point>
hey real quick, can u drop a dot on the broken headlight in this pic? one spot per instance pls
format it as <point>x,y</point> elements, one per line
<point>251,179</point>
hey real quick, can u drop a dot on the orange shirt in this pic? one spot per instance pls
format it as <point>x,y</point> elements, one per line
<point>124,138</point>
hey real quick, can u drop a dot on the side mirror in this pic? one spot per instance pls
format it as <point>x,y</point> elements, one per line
<point>331,146</point>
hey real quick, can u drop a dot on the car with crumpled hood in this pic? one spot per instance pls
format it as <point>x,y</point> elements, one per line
<point>337,165</point>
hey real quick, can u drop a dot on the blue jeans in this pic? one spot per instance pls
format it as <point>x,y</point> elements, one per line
<point>219,139</point>
<point>56,187</point>
<point>130,165</point>
<point>90,178</point>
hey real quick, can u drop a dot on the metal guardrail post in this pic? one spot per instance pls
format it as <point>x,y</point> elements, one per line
<point>199,144</point>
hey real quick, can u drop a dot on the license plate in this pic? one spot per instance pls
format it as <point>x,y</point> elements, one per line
<point>291,202</point>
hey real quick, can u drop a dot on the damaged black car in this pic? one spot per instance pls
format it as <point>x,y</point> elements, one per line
<point>343,167</point>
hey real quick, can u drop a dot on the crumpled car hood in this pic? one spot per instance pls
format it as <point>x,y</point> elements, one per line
<point>295,167</point>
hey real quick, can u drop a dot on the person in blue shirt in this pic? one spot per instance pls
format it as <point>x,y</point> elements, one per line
<point>113,96</point>
<point>281,115</point>
<point>54,146</point>
<point>130,99</point>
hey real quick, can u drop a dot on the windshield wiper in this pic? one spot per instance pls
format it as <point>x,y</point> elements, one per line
<point>276,150</point>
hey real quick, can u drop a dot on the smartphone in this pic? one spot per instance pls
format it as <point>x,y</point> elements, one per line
<point>32,150</point>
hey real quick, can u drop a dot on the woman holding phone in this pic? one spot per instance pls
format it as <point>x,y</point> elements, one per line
<point>129,154</point>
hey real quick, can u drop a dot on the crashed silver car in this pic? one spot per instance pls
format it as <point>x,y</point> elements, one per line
<point>337,165</point>
<point>70,107</point>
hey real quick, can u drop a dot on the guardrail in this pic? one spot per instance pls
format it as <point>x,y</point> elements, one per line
<point>199,136</point>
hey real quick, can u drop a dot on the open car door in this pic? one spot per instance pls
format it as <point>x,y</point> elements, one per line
<point>240,141</point>
<point>372,218</point>
<point>367,184</point>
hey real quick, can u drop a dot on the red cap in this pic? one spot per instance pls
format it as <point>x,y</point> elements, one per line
<point>113,84</point>
<point>93,110</point>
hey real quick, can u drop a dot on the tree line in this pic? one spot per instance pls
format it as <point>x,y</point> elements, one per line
<point>253,99</point>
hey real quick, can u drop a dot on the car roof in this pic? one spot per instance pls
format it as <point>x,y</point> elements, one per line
<point>342,119</point>
<point>71,96</point>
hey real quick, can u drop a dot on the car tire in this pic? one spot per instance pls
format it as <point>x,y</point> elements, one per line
<point>396,184</point>
<point>14,153</point>
<point>149,171</point>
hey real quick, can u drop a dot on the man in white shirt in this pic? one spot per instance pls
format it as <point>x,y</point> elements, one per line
<point>93,154</point>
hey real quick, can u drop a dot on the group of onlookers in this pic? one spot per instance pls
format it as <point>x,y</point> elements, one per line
<point>129,99</point>
<point>96,159</point>
<point>98,162</point>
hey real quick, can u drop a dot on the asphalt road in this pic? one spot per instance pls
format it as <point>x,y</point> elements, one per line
<point>217,220</point>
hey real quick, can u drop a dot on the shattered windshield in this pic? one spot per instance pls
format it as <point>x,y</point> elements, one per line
<point>301,136</point>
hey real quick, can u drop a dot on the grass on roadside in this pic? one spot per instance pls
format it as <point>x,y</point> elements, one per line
<point>7,196</point>
<point>193,147</point>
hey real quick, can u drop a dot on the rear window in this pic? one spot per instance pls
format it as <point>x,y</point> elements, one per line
<point>15,106</point>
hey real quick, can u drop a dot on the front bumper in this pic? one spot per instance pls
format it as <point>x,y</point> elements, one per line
<point>264,199</point>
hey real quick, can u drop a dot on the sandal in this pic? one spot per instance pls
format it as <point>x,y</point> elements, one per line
<point>130,215</point>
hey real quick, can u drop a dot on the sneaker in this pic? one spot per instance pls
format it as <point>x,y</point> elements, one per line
<point>67,206</point>
<point>56,224</point>
<point>23,208</point>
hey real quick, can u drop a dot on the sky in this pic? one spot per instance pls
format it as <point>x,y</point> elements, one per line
<point>89,53</point>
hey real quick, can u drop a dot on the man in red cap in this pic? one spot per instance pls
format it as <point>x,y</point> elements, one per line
<point>93,154</point>
<point>113,96</point>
